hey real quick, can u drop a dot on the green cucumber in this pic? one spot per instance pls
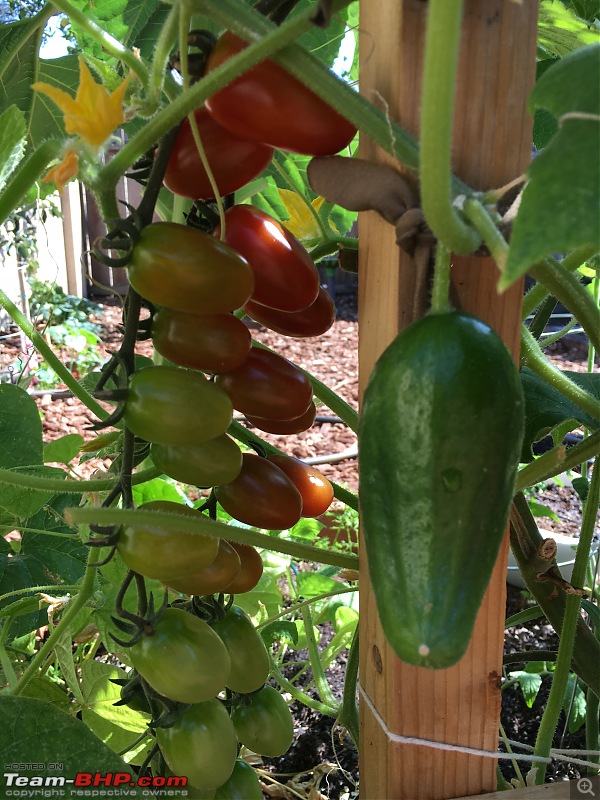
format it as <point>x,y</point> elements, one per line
<point>439,443</point>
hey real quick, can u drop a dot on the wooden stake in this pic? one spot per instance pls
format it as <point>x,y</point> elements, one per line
<point>492,145</point>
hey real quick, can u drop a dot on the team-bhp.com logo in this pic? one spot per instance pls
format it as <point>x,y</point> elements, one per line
<point>92,784</point>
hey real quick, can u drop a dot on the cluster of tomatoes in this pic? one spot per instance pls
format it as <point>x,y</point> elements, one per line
<point>191,661</point>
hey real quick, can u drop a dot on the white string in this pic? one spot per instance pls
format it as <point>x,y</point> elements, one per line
<point>399,739</point>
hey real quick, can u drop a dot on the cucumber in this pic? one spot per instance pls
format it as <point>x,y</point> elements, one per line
<point>439,443</point>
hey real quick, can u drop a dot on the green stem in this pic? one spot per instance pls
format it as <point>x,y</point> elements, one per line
<point>105,40</point>
<point>539,292</point>
<point>5,662</point>
<point>330,245</point>
<point>551,714</point>
<point>442,41</point>
<point>567,288</point>
<point>58,486</point>
<point>51,587</point>
<point>557,460</point>
<point>300,696</point>
<point>592,728</point>
<point>203,525</point>
<point>54,362</point>
<point>532,357</point>
<point>495,242</point>
<point>297,606</point>
<point>242,434</point>
<point>323,687</point>
<point>85,592</point>
<point>348,716</point>
<point>29,171</point>
<point>440,302</point>
<point>162,52</point>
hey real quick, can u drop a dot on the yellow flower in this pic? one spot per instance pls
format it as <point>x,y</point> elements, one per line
<point>94,113</point>
<point>63,172</point>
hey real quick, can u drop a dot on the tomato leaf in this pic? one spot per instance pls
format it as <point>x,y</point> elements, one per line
<point>156,489</point>
<point>35,732</point>
<point>574,704</point>
<point>311,584</point>
<point>279,631</point>
<point>565,173</point>
<point>20,429</point>
<point>546,407</point>
<point>63,450</point>
<point>530,684</point>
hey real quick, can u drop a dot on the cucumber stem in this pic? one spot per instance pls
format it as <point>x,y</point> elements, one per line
<point>440,302</point>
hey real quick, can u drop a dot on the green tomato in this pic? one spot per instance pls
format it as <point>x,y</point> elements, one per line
<point>242,785</point>
<point>247,651</point>
<point>209,464</point>
<point>174,406</point>
<point>183,659</point>
<point>264,725</point>
<point>161,553</point>
<point>202,745</point>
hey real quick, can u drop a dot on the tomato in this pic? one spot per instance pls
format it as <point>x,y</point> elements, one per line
<point>269,105</point>
<point>234,160</point>
<point>187,270</point>
<point>250,570</point>
<point>285,276</point>
<point>249,658</point>
<point>312,321</point>
<point>261,495</point>
<point>183,659</point>
<point>208,342</point>
<point>210,579</point>
<point>316,491</point>
<point>242,785</point>
<point>267,385</point>
<point>265,725</point>
<point>285,426</point>
<point>202,745</point>
<point>161,553</point>
<point>175,407</point>
<point>217,461</point>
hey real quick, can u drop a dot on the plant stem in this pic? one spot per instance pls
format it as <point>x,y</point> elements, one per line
<point>5,662</point>
<point>553,708</point>
<point>85,592</point>
<point>495,242</point>
<point>532,357</point>
<point>442,41</point>
<point>557,460</point>
<point>440,302</point>
<point>287,686</point>
<point>348,716</point>
<point>54,362</point>
<point>592,728</point>
<point>297,606</point>
<point>323,687</point>
<point>567,288</point>
<point>28,172</point>
<point>51,587</point>
<point>162,51</point>
<point>539,292</point>
<point>59,486</point>
<point>201,524</point>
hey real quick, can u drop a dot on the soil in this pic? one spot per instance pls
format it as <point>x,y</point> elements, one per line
<point>322,763</point>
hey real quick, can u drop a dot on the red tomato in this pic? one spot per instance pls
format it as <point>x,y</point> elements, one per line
<point>285,426</point>
<point>207,342</point>
<point>250,571</point>
<point>262,495</point>
<point>234,160</point>
<point>267,385</point>
<point>316,491</point>
<point>285,276</point>
<point>267,104</point>
<point>312,321</point>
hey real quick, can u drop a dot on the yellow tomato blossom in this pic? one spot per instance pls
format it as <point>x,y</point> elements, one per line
<point>63,172</point>
<point>93,114</point>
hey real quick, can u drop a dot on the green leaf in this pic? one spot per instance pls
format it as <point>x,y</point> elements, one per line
<point>45,118</point>
<point>24,502</point>
<point>63,450</point>
<point>312,584</point>
<point>20,429</point>
<point>156,489</point>
<point>281,630</point>
<point>577,707</point>
<point>546,407</point>
<point>35,732</point>
<point>593,612</point>
<point>44,689</point>
<point>540,510</point>
<point>582,487</point>
<point>530,684</point>
<point>535,612</point>
<point>560,31</point>
<point>12,141</point>
<point>559,208</point>
<point>43,559</point>
<point>64,654</point>
<point>264,599</point>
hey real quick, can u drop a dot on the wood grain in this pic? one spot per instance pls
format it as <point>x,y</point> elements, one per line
<point>492,145</point>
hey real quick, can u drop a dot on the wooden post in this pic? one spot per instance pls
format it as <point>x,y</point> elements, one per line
<point>492,145</point>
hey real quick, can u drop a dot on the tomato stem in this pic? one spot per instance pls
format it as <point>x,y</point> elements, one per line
<point>59,486</point>
<point>554,705</point>
<point>323,687</point>
<point>442,40</point>
<point>557,460</point>
<point>348,716</point>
